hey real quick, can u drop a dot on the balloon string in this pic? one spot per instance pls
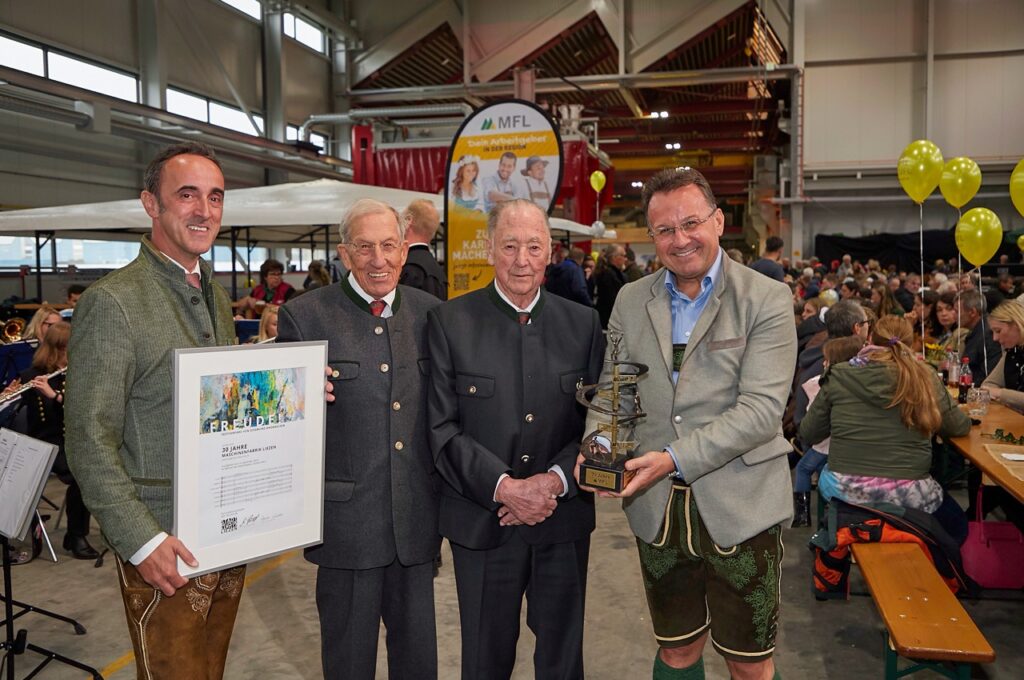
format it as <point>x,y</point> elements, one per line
<point>920,290</point>
<point>984,340</point>
<point>960,273</point>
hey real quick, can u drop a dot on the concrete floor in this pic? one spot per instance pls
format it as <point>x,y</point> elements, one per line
<point>277,634</point>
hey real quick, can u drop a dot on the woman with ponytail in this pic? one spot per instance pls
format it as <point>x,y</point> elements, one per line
<point>881,409</point>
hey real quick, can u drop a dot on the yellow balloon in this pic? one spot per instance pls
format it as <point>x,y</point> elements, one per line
<point>961,179</point>
<point>1017,187</point>
<point>920,169</point>
<point>1020,242</point>
<point>978,235</point>
<point>597,180</point>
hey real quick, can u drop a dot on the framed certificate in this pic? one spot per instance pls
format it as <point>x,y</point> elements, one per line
<point>248,451</point>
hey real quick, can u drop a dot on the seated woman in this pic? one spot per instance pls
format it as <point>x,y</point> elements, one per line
<point>949,335</point>
<point>883,301</point>
<point>45,416</point>
<point>272,289</point>
<point>268,324</point>
<point>1006,381</point>
<point>1006,384</point>
<point>40,323</point>
<point>881,409</point>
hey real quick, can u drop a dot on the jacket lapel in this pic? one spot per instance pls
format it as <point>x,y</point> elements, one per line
<point>659,309</point>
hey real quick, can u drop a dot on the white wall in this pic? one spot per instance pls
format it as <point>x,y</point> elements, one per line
<point>865,100</point>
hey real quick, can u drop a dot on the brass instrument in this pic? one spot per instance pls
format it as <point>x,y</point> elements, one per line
<point>10,395</point>
<point>12,330</point>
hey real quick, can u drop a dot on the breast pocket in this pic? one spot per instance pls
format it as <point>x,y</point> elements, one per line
<point>343,370</point>
<point>475,386</point>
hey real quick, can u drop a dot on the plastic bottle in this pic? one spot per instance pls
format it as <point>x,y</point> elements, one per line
<point>953,369</point>
<point>966,381</point>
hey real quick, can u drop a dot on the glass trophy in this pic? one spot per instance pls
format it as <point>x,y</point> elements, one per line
<point>606,449</point>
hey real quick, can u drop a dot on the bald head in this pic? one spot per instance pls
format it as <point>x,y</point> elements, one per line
<point>421,221</point>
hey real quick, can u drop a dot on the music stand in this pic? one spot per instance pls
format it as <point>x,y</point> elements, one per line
<point>15,644</point>
<point>26,464</point>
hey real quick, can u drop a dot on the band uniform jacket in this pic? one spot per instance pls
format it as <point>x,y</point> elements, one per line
<point>503,400</point>
<point>422,271</point>
<point>723,417</point>
<point>380,491</point>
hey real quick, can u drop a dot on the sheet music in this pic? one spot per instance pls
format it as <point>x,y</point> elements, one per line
<point>24,465</point>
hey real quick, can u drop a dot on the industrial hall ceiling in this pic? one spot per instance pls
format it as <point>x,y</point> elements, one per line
<point>718,127</point>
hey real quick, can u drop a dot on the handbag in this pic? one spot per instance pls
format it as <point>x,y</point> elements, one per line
<point>993,554</point>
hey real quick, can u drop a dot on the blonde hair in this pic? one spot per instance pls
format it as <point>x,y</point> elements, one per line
<point>268,311</point>
<point>915,390</point>
<point>53,349</point>
<point>1011,311</point>
<point>32,330</point>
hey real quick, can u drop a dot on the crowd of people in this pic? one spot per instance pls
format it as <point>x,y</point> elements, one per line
<point>459,419</point>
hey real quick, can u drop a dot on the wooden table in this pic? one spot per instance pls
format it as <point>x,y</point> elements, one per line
<point>972,446</point>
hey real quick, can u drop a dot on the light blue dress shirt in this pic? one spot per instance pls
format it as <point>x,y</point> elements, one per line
<point>685,313</point>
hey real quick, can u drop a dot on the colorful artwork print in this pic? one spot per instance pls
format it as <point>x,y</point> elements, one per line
<point>237,401</point>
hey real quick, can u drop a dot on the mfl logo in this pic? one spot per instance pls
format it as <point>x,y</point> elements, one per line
<point>506,122</point>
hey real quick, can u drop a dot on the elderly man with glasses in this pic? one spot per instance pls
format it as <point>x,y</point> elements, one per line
<point>712,487</point>
<point>380,492</point>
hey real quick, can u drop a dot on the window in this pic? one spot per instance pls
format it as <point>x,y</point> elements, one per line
<point>189,105</point>
<point>302,31</point>
<point>251,8</point>
<point>92,77</point>
<point>21,56</point>
<point>291,134</point>
<point>233,119</point>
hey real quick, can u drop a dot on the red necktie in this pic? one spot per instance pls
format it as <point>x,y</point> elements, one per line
<point>377,307</point>
<point>193,279</point>
<point>524,318</point>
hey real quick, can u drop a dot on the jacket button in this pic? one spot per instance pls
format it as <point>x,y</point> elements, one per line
<point>396,406</point>
<point>525,458</point>
<point>677,419</point>
<point>399,446</point>
<point>335,373</point>
<point>529,417</point>
<point>195,300</point>
<point>206,336</point>
<point>378,330</point>
<point>472,389</point>
<point>384,368</point>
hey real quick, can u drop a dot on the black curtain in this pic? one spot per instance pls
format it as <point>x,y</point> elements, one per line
<point>903,250</point>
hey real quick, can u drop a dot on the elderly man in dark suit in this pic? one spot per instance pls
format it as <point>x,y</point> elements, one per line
<point>505,427</point>
<point>380,509</point>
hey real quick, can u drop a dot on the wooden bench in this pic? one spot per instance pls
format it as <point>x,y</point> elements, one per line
<point>926,622</point>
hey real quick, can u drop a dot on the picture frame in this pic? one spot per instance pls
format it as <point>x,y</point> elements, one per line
<point>249,432</point>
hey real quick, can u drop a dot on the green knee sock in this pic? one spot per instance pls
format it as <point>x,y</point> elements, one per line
<point>776,676</point>
<point>662,671</point>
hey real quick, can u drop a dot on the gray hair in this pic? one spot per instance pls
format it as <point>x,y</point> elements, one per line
<point>516,204</point>
<point>972,299</point>
<point>842,317</point>
<point>362,208</point>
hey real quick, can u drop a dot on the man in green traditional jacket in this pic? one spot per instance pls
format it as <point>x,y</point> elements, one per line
<point>119,415</point>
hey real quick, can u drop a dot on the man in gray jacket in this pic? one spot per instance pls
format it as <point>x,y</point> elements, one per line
<point>712,484</point>
<point>120,418</point>
<point>381,490</point>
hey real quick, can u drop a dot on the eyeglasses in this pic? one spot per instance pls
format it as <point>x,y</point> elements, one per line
<point>669,233</point>
<point>364,249</point>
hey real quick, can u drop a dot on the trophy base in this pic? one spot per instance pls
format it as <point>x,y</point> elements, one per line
<point>604,477</point>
